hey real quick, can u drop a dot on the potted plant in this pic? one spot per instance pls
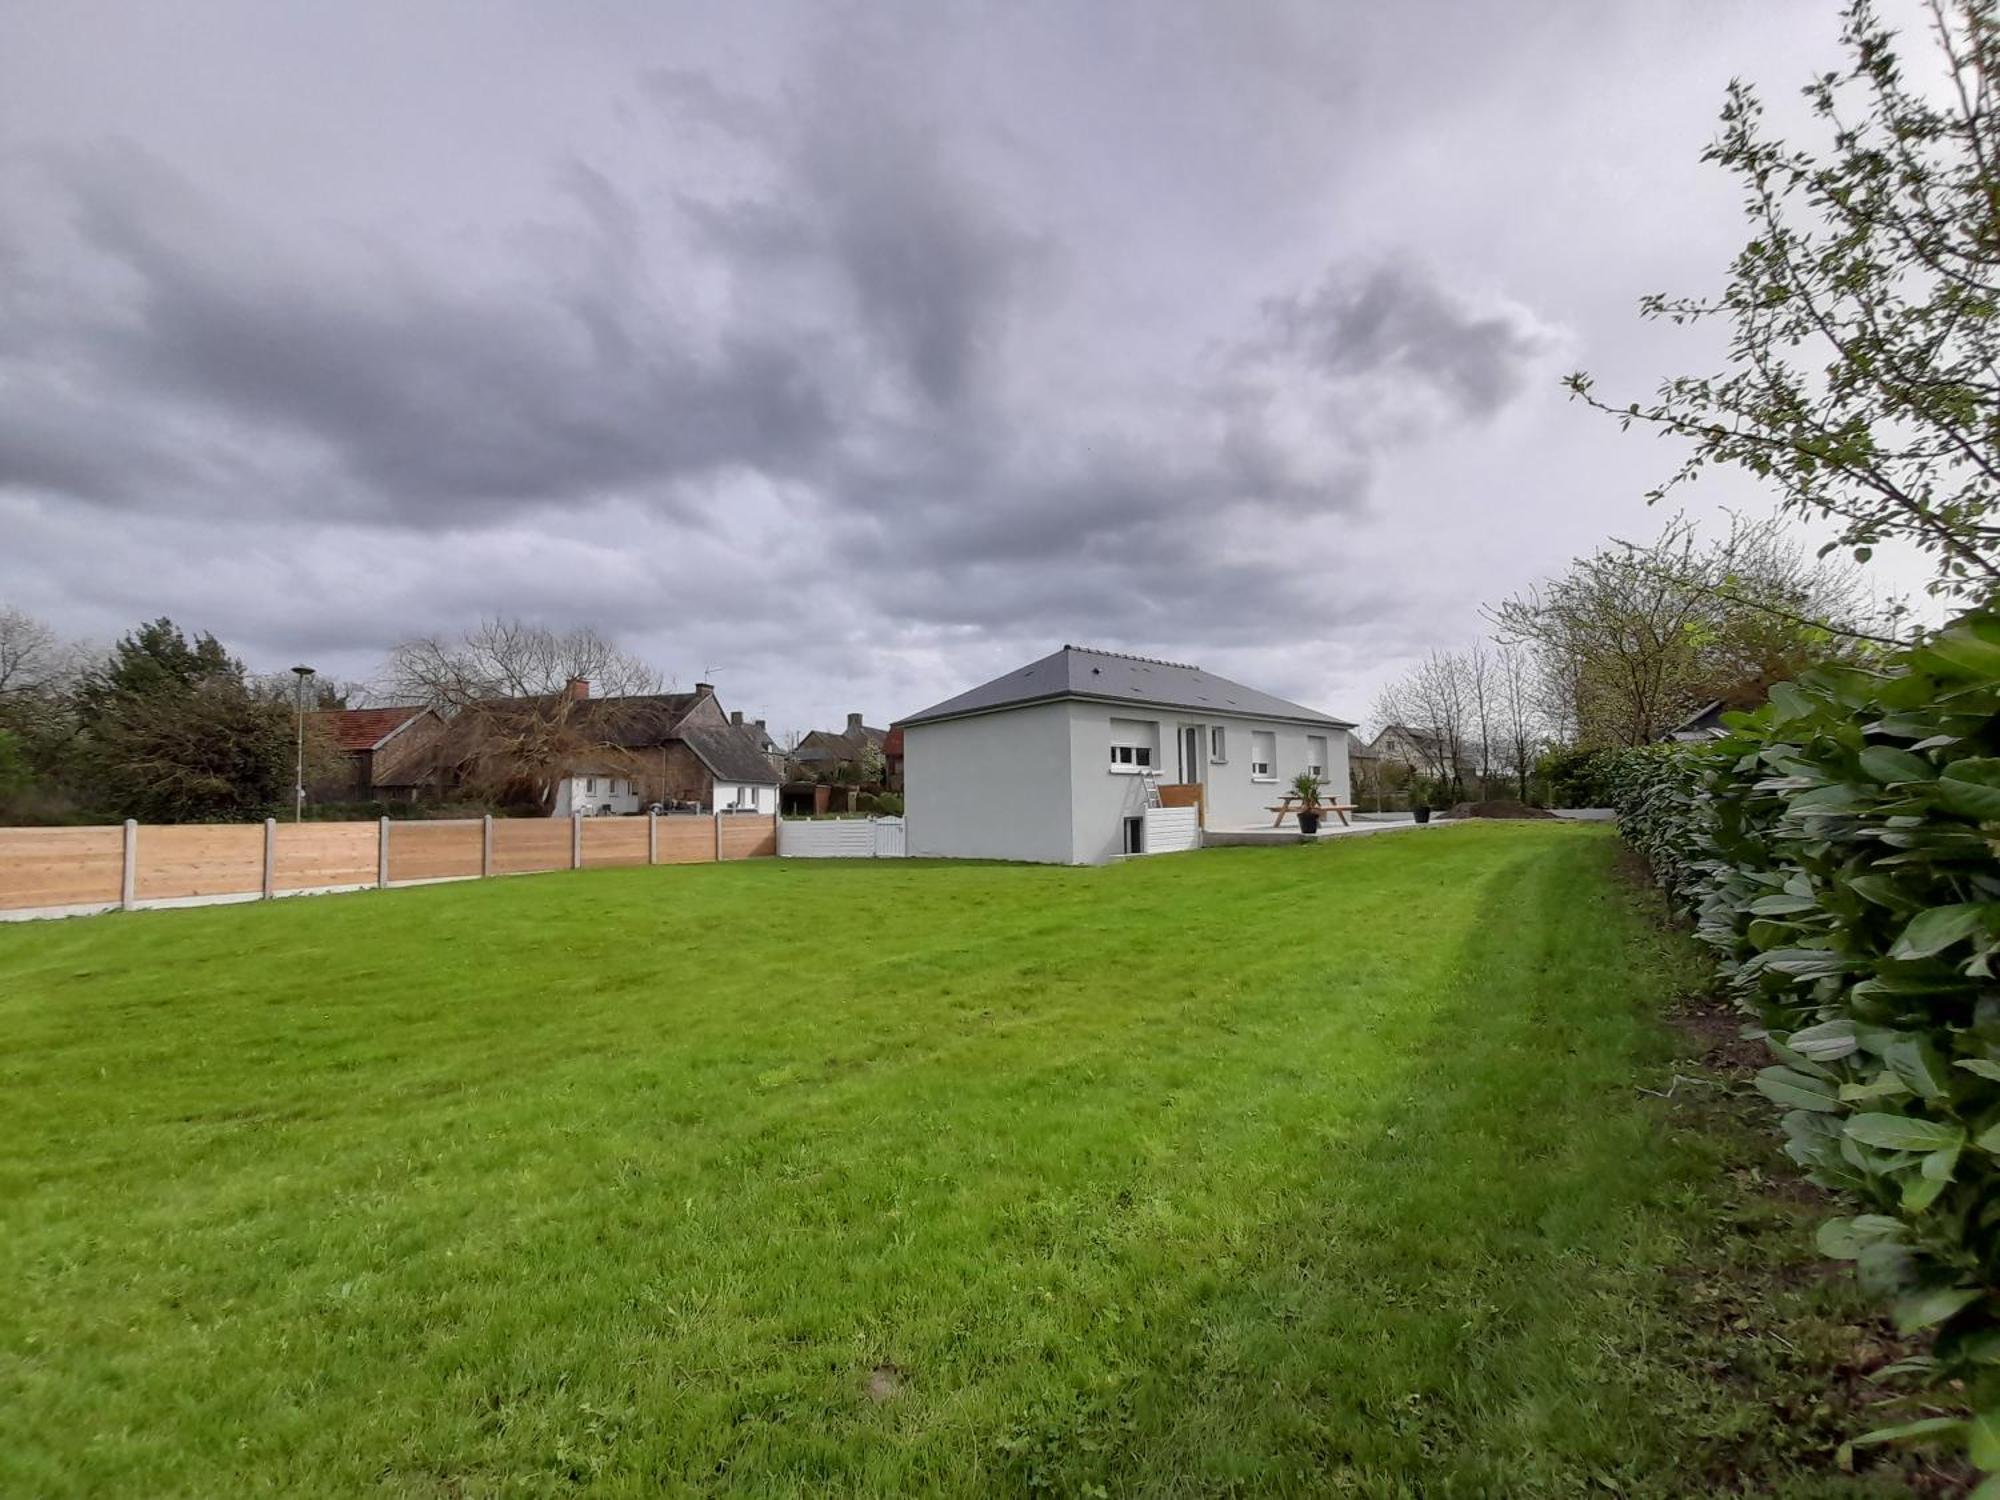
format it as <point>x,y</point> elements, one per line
<point>1306,787</point>
<point>1420,801</point>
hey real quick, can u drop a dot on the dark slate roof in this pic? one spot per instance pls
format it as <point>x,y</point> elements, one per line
<point>733,752</point>
<point>1111,677</point>
<point>839,744</point>
<point>1704,723</point>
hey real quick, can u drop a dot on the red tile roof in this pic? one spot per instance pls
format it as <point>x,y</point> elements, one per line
<point>362,728</point>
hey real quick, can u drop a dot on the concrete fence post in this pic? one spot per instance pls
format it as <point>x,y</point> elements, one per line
<point>270,858</point>
<point>576,841</point>
<point>717,815</point>
<point>486,846</point>
<point>128,888</point>
<point>652,838</point>
<point>382,854</point>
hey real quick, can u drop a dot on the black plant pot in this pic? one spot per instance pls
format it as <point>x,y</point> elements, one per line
<point>1308,823</point>
<point>1421,814</point>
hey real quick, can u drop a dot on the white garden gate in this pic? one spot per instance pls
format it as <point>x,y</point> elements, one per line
<point>841,838</point>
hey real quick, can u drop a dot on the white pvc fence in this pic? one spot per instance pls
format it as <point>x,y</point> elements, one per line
<point>1169,830</point>
<point>841,838</point>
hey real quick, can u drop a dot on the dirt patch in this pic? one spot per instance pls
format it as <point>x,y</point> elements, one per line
<point>1501,807</point>
<point>885,1383</point>
<point>1714,1028</point>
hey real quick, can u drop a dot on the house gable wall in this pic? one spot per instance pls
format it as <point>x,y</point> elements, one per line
<point>991,787</point>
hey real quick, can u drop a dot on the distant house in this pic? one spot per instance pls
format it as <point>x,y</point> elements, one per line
<point>383,754</point>
<point>1422,751</point>
<point>840,754</point>
<point>677,750</point>
<point>1705,723</point>
<point>1055,761</point>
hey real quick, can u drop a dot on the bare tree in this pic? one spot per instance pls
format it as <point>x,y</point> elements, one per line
<point>38,671</point>
<point>1515,694</point>
<point>1432,701</point>
<point>527,704</point>
<point>1631,639</point>
<point>1480,687</point>
<point>33,658</point>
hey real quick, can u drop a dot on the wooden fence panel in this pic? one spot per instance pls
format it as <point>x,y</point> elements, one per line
<point>311,856</point>
<point>200,859</point>
<point>614,841</point>
<point>1186,794</point>
<point>522,845</point>
<point>66,867</point>
<point>60,866</point>
<point>687,841</point>
<point>438,850</point>
<point>749,837</point>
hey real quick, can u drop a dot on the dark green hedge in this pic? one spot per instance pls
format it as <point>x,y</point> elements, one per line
<point>1838,854</point>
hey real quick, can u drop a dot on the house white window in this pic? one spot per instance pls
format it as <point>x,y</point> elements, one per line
<point>1316,755</point>
<point>1263,755</point>
<point>1218,744</point>
<point>590,786</point>
<point>1134,746</point>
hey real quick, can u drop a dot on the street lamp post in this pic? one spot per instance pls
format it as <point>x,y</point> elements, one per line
<point>299,765</point>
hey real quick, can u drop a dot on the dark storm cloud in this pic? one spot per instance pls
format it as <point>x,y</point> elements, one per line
<point>1395,320</point>
<point>428,402</point>
<point>863,190</point>
<point>858,352</point>
<point>1287,431</point>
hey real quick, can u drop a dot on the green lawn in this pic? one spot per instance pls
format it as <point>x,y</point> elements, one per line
<point>1258,1169</point>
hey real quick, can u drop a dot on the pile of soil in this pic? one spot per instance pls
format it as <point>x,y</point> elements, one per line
<point>1504,807</point>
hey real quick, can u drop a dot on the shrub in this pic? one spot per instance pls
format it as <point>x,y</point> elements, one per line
<point>1576,778</point>
<point>1838,853</point>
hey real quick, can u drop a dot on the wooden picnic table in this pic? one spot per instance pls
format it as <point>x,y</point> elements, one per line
<point>1288,802</point>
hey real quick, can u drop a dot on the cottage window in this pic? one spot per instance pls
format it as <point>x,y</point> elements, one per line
<point>1316,755</point>
<point>1263,755</point>
<point>590,786</point>
<point>1218,744</point>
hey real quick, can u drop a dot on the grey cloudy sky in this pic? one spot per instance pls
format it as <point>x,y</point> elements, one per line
<point>849,354</point>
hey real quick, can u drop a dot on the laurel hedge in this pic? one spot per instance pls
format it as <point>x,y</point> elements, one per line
<point>1839,852</point>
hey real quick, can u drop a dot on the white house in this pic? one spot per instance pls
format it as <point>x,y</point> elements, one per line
<point>726,761</point>
<point>597,792</point>
<point>1051,762</point>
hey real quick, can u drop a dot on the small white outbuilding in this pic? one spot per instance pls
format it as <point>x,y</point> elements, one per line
<point>1052,762</point>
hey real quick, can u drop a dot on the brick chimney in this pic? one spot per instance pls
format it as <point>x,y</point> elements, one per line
<point>853,722</point>
<point>760,726</point>
<point>736,717</point>
<point>578,688</point>
<point>704,690</point>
